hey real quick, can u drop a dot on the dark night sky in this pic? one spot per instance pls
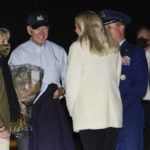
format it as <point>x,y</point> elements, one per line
<point>61,15</point>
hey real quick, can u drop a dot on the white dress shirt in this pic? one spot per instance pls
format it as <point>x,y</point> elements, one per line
<point>51,57</point>
<point>147,96</point>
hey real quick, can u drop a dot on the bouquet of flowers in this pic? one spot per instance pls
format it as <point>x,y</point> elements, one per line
<point>27,81</point>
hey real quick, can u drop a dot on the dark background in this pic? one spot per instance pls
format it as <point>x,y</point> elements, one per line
<point>13,15</point>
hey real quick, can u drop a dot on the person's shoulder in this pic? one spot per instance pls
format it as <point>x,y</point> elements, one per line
<point>135,48</point>
<point>78,48</point>
<point>75,44</point>
<point>80,45</point>
<point>21,47</point>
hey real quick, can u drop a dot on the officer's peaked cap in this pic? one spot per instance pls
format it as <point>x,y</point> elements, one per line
<point>109,16</point>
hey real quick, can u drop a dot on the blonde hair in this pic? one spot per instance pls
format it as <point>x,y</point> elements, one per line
<point>5,33</point>
<point>92,29</point>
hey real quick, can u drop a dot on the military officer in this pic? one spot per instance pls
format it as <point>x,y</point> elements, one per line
<point>133,81</point>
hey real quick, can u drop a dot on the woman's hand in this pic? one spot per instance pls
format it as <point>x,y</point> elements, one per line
<point>4,133</point>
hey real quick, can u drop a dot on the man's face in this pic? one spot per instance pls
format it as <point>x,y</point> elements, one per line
<point>38,35</point>
<point>3,40</point>
<point>115,30</point>
<point>145,34</point>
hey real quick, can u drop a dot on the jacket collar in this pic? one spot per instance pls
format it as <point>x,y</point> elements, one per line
<point>124,48</point>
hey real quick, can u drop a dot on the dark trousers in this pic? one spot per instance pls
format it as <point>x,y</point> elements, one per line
<point>130,138</point>
<point>101,139</point>
<point>23,138</point>
<point>23,141</point>
<point>146,107</point>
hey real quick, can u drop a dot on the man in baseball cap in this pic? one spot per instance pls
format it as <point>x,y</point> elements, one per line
<point>52,58</point>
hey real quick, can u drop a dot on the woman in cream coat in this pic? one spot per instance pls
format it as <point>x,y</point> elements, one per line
<point>92,84</point>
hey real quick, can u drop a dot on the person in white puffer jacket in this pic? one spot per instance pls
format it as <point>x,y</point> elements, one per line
<point>92,84</point>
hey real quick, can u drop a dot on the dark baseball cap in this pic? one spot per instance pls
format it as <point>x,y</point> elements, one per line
<point>37,19</point>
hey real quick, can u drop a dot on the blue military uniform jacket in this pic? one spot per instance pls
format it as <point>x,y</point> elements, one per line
<point>133,84</point>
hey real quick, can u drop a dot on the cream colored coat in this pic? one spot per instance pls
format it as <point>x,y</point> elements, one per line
<point>92,93</point>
